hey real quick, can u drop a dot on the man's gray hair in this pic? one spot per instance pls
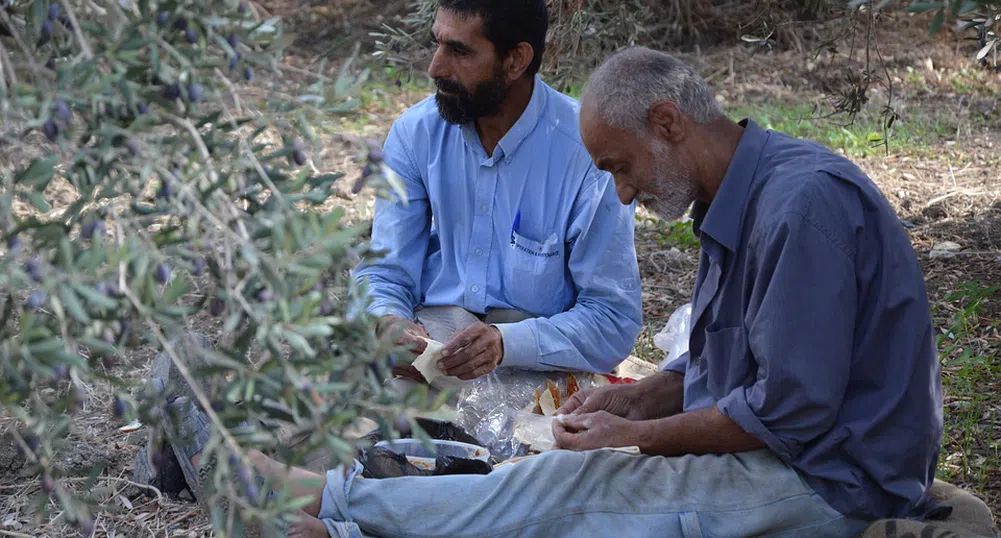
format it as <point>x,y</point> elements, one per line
<point>630,82</point>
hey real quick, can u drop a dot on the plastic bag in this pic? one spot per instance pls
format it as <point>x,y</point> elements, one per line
<point>488,407</point>
<point>380,462</point>
<point>536,431</point>
<point>436,429</point>
<point>390,462</point>
<point>673,338</point>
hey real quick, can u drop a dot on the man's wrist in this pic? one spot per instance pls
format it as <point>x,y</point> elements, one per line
<point>659,396</point>
<point>641,434</point>
<point>500,342</point>
<point>518,342</point>
<point>385,323</point>
<point>384,308</point>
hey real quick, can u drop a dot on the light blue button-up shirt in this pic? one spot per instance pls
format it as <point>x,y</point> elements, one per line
<point>535,227</point>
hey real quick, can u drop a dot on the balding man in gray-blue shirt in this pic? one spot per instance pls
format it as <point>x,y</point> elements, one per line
<point>811,332</point>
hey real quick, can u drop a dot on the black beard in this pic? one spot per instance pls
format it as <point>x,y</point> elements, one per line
<point>461,106</point>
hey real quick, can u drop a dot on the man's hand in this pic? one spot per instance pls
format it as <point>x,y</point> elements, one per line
<point>473,352</point>
<point>619,400</point>
<point>657,396</point>
<point>594,430</point>
<point>406,332</point>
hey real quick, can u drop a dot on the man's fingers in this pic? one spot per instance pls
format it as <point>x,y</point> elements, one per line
<point>464,355</point>
<point>564,438</point>
<point>420,330</point>
<point>560,433</point>
<point>462,339</point>
<point>575,402</point>
<point>409,372</point>
<point>452,362</point>
<point>594,401</point>
<point>475,362</point>
<point>413,343</point>
<point>576,423</point>
<point>477,373</point>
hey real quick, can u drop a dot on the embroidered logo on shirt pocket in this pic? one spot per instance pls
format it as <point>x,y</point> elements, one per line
<point>532,255</point>
<point>533,274</point>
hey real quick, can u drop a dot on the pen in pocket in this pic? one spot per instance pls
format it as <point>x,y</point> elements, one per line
<point>514,225</point>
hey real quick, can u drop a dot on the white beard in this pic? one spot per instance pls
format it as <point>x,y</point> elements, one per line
<point>667,210</point>
<point>678,191</point>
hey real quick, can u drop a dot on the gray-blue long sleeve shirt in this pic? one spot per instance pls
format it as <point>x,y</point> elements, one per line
<point>811,326</point>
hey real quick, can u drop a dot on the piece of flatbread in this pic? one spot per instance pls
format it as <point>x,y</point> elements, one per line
<point>535,431</point>
<point>427,362</point>
<point>547,403</point>
<point>549,399</point>
<point>572,385</point>
<point>427,365</point>
<point>554,389</point>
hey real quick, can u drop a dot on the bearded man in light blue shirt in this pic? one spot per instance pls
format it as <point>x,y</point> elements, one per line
<point>511,243</point>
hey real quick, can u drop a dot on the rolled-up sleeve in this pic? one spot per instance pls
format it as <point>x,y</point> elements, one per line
<point>400,231</point>
<point>800,330</point>
<point>599,331</point>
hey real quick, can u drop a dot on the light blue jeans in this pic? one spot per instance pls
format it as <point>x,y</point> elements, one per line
<point>595,493</point>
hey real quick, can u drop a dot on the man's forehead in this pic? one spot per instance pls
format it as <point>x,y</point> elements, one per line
<point>596,142</point>
<point>465,27</point>
<point>592,124</point>
<point>588,111</point>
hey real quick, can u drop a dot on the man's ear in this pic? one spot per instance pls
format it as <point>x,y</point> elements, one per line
<point>518,59</point>
<point>667,120</point>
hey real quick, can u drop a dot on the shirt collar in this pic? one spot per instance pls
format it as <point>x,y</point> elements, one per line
<point>722,219</point>
<point>521,128</point>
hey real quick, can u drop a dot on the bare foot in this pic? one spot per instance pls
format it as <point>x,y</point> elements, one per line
<point>307,526</point>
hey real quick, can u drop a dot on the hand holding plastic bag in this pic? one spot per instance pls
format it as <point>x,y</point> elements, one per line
<point>488,407</point>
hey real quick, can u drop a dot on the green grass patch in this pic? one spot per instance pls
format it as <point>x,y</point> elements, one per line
<point>385,83</point>
<point>971,364</point>
<point>915,133</point>
<point>969,299</point>
<point>677,234</point>
<point>974,81</point>
<point>382,92</point>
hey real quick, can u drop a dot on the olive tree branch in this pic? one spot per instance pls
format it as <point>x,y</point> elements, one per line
<point>20,42</point>
<point>88,53</point>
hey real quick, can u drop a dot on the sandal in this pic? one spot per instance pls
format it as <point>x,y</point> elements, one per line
<point>165,475</point>
<point>155,462</point>
<point>186,431</point>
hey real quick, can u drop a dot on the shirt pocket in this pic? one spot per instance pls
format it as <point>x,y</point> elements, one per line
<point>725,360</point>
<point>534,274</point>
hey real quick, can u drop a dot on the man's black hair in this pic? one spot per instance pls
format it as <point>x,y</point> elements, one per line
<point>509,22</point>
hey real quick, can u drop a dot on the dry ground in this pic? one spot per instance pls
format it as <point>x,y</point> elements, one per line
<point>942,173</point>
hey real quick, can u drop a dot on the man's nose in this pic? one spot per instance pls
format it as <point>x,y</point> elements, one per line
<point>437,68</point>
<point>625,192</point>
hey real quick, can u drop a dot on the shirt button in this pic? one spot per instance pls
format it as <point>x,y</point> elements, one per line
<point>479,252</point>
<point>484,208</point>
<point>475,289</point>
